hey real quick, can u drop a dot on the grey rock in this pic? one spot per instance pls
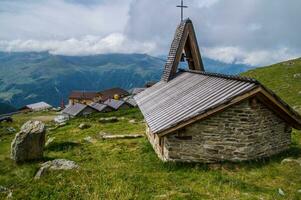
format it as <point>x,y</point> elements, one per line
<point>28,144</point>
<point>3,189</point>
<point>298,75</point>
<point>291,160</point>
<point>11,130</point>
<point>132,121</point>
<point>108,120</point>
<point>57,164</point>
<point>89,139</point>
<point>84,126</point>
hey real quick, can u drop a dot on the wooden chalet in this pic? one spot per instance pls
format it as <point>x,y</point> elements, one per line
<point>113,93</point>
<point>196,116</point>
<point>84,97</point>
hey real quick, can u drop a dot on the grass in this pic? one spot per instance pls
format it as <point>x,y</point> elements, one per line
<point>129,169</point>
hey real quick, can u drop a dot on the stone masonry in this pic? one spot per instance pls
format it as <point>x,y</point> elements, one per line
<point>245,131</point>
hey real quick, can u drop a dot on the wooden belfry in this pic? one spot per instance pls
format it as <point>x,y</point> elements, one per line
<point>184,45</point>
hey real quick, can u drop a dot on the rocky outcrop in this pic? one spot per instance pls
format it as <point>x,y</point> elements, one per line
<point>57,164</point>
<point>28,144</point>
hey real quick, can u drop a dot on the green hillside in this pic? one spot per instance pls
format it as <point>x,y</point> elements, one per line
<point>6,108</point>
<point>27,78</point>
<point>130,169</point>
<point>283,78</point>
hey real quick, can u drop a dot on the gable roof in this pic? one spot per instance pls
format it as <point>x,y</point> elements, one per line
<point>184,41</point>
<point>38,106</point>
<point>75,109</point>
<point>194,95</point>
<point>116,104</point>
<point>109,93</point>
<point>87,95</point>
<point>98,106</point>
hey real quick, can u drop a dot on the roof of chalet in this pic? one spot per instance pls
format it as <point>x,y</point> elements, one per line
<point>98,106</point>
<point>109,93</point>
<point>90,95</point>
<point>75,109</point>
<point>38,106</point>
<point>194,95</point>
<point>116,104</point>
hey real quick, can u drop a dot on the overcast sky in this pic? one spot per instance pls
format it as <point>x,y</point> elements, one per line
<point>254,32</point>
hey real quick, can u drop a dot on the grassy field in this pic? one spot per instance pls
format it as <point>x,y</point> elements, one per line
<point>129,169</point>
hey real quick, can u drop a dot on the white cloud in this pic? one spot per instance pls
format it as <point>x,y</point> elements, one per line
<point>238,55</point>
<point>88,45</point>
<point>253,32</point>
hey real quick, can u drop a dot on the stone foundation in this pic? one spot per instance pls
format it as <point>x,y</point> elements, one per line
<point>245,131</point>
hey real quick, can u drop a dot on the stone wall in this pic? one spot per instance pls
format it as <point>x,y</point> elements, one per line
<point>243,132</point>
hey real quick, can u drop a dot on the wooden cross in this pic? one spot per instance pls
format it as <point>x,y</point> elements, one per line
<point>182,9</point>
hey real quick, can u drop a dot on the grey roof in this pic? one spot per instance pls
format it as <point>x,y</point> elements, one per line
<point>187,95</point>
<point>39,106</point>
<point>136,91</point>
<point>98,106</point>
<point>74,110</point>
<point>131,101</point>
<point>114,103</point>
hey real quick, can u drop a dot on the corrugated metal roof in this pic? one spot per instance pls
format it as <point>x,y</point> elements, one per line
<point>131,101</point>
<point>39,106</point>
<point>74,110</point>
<point>98,106</point>
<point>114,103</point>
<point>189,94</point>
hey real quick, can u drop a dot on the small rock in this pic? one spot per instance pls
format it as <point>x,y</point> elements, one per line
<point>57,164</point>
<point>108,120</point>
<point>28,144</point>
<point>84,126</point>
<point>89,139</point>
<point>3,189</point>
<point>297,75</point>
<point>11,130</point>
<point>51,139</point>
<point>291,160</point>
<point>132,121</point>
<point>280,191</point>
<point>6,190</point>
<point>10,195</point>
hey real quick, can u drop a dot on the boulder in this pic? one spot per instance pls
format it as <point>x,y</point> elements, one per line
<point>83,126</point>
<point>57,164</point>
<point>108,120</point>
<point>28,144</point>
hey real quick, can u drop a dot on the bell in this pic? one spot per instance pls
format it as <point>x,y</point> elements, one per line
<point>183,57</point>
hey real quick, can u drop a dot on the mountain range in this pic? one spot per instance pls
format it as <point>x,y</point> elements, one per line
<point>29,77</point>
